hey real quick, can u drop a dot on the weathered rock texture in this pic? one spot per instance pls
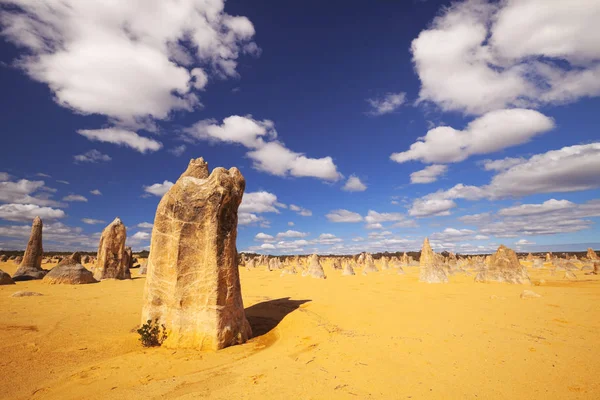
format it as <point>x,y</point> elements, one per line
<point>31,264</point>
<point>69,271</point>
<point>3,258</point>
<point>369,265</point>
<point>5,279</point>
<point>193,284</point>
<point>431,265</point>
<point>315,269</point>
<point>348,270</point>
<point>591,254</point>
<point>113,261</point>
<point>22,293</point>
<point>503,266</point>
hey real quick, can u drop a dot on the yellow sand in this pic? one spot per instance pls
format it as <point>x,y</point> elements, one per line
<point>382,336</point>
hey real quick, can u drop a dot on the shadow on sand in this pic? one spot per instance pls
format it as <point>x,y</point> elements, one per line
<point>265,316</point>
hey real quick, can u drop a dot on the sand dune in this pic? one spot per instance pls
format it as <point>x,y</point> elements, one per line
<point>358,337</point>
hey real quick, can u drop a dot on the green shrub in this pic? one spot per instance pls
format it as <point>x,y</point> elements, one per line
<point>152,333</point>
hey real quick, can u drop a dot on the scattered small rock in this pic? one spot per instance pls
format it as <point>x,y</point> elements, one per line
<point>22,293</point>
<point>529,294</point>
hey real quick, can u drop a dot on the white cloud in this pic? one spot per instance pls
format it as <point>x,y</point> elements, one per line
<point>376,217</point>
<point>92,156</point>
<point>259,202</point>
<point>26,192</point>
<point>38,174</point>
<point>479,56</point>
<point>489,133</point>
<point>4,176</point>
<point>328,238</point>
<point>502,164</point>
<point>291,234</point>
<point>122,137</point>
<point>145,225</point>
<point>431,207</point>
<point>536,209</point>
<point>250,219</point>
<point>75,197</point>
<point>140,236</point>
<point>276,159</point>
<point>268,155</point>
<point>290,223</point>
<point>344,216</point>
<point>82,49</point>
<point>63,182</point>
<point>235,129</point>
<point>177,150</point>
<point>523,242</point>
<point>300,211</point>
<point>267,246</point>
<point>354,184</point>
<point>57,236</point>
<point>263,237</point>
<point>91,221</point>
<point>428,174</point>
<point>374,225</point>
<point>96,192</point>
<point>158,189</point>
<point>386,104</point>
<point>27,212</point>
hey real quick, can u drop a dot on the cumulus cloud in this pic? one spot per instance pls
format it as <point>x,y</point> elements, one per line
<point>300,211</point>
<point>428,174</point>
<point>479,55</point>
<point>27,212</point>
<point>536,209</point>
<point>140,236</point>
<point>502,164</point>
<point>259,202</point>
<point>569,169</point>
<point>494,131</point>
<point>291,234</point>
<point>523,242</point>
<point>122,137</point>
<point>159,189</point>
<point>27,192</point>
<point>91,221</point>
<point>291,223</point>
<point>177,150</point>
<point>263,237</point>
<point>386,104</point>
<point>268,155</point>
<point>4,176</point>
<point>354,184</point>
<point>81,49</point>
<point>75,197</point>
<point>92,156</point>
<point>343,216</point>
<point>145,225</point>
<point>96,192</point>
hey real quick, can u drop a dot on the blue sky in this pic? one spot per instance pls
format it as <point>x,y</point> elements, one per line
<point>357,125</point>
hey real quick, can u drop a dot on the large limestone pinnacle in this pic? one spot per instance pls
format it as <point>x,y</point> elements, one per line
<point>31,265</point>
<point>503,266</point>
<point>193,284</point>
<point>112,261</point>
<point>430,265</point>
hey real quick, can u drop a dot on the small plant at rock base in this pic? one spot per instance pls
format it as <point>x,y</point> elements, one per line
<point>152,333</point>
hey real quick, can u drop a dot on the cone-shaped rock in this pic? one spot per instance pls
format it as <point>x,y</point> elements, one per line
<point>431,265</point>
<point>193,284</point>
<point>31,264</point>
<point>69,271</point>
<point>315,269</point>
<point>503,266</point>
<point>348,270</point>
<point>591,254</point>
<point>369,265</point>
<point>5,279</point>
<point>113,261</point>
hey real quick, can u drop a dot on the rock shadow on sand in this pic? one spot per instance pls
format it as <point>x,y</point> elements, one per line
<point>265,316</point>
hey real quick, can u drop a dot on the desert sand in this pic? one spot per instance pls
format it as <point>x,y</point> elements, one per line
<point>378,336</point>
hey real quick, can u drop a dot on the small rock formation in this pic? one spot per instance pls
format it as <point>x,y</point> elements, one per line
<point>529,294</point>
<point>31,264</point>
<point>337,264</point>
<point>18,260</point>
<point>570,275</point>
<point>5,279</point>
<point>384,263</point>
<point>250,264</point>
<point>538,263</point>
<point>3,258</point>
<point>22,293</point>
<point>143,268</point>
<point>128,257</point>
<point>348,270</point>
<point>369,265</point>
<point>548,257</point>
<point>530,257</point>
<point>315,269</point>
<point>69,272</point>
<point>430,266</point>
<point>113,261</point>
<point>591,255</point>
<point>503,266</point>
<point>193,284</point>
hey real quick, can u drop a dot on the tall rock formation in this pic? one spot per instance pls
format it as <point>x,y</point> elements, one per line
<point>193,284</point>
<point>31,264</point>
<point>431,265</point>
<point>113,261</point>
<point>591,255</point>
<point>315,269</point>
<point>503,266</point>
